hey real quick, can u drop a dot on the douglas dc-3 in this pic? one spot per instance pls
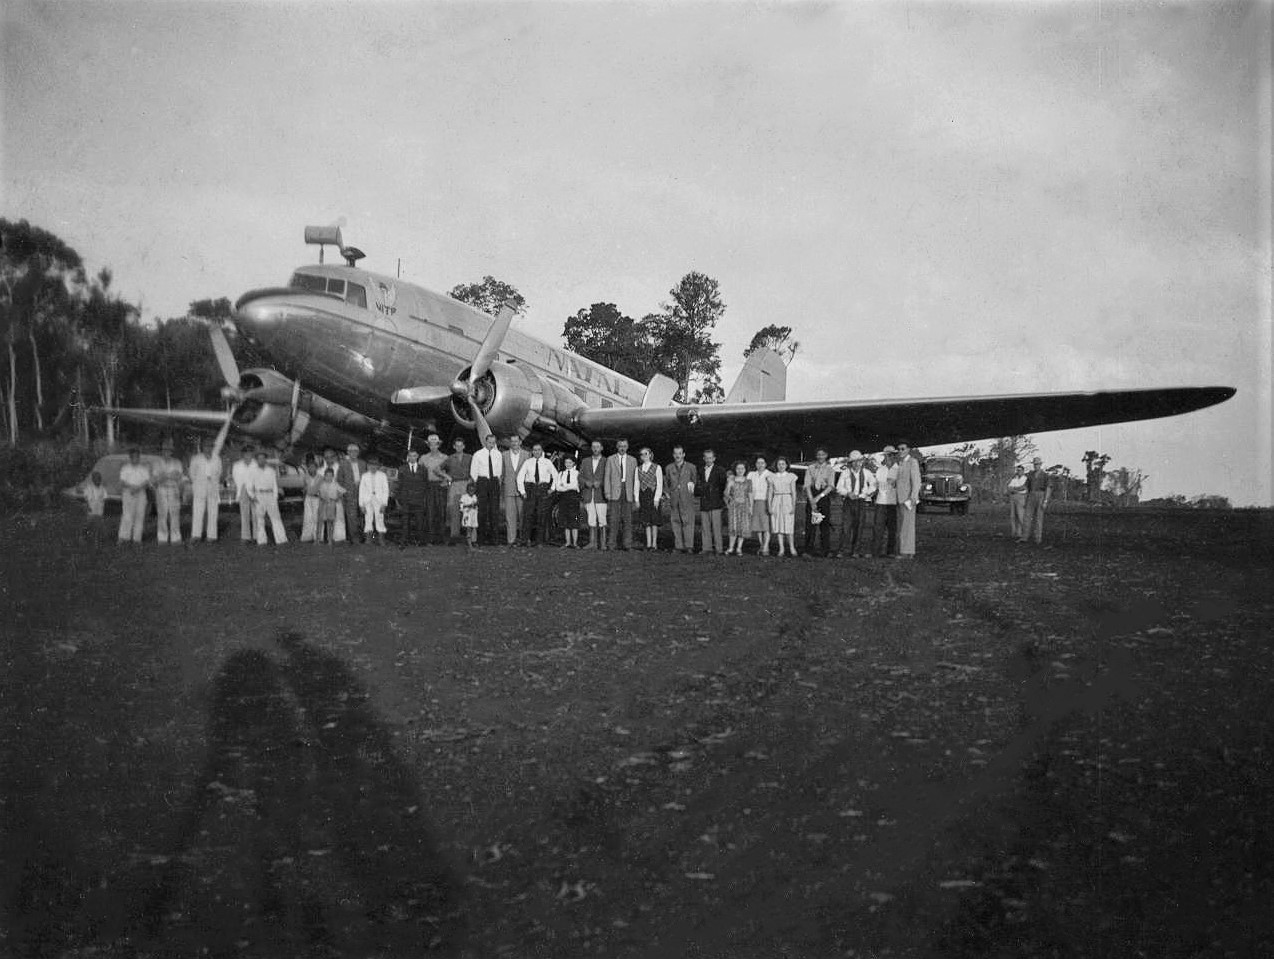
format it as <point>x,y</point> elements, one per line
<point>361,357</point>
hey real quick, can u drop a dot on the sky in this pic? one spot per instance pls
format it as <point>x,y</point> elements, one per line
<point>939,198</point>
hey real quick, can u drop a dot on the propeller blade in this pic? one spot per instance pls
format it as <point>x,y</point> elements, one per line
<point>484,429</point>
<point>225,356</point>
<point>300,418</point>
<point>421,394</point>
<point>220,441</point>
<point>491,344</point>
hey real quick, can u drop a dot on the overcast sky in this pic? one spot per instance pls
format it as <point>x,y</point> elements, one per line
<point>939,198</point>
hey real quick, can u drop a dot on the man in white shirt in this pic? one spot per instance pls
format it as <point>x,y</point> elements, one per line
<point>205,490</point>
<point>857,487</point>
<point>1017,504</point>
<point>535,484</point>
<point>134,477</point>
<point>884,540</point>
<point>263,485</point>
<point>486,469</point>
<point>166,478</point>
<point>373,497</point>
<point>620,487</point>
<point>239,472</point>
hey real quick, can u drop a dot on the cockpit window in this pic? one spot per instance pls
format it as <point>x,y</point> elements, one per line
<point>304,281</point>
<point>336,286</point>
<point>356,295</point>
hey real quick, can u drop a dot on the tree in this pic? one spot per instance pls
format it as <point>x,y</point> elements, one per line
<point>1095,465</point>
<point>606,336</point>
<point>109,340</point>
<point>776,338</point>
<point>710,391</point>
<point>490,295</point>
<point>36,270</point>
<point>1124,485</point>
<point>682,331</point>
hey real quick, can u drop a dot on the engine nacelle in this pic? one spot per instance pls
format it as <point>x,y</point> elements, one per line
<point>516,400</point>
<point>265,413</point>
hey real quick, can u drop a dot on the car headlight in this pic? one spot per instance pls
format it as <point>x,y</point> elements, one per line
<point>964,489</point>
<point>928,487</point>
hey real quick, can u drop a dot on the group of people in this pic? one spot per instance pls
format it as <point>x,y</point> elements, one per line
<point>519,496</point>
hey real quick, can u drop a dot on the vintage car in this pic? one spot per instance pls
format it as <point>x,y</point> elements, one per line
<point>291,480</point>
<point>942,484</point>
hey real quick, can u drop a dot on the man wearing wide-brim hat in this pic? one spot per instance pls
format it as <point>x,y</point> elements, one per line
<point>1038,493</point>
<point>857,487</point>
<point>884,539</point>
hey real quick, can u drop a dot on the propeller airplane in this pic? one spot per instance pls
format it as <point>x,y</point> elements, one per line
<point>363,357</point>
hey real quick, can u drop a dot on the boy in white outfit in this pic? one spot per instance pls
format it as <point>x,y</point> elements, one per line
<point>373,497</point>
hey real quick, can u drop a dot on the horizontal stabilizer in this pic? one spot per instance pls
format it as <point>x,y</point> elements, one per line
<point>659,391</point>
<point>763,379</point>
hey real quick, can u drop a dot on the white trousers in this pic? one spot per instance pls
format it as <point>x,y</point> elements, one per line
<point>206,502</point>
<point>596,514</point>
<point>168,512</point>
<point>132,517</point>
<point>374,518</point>
<point>266,506</point>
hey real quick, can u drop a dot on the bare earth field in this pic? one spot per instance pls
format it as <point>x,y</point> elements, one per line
<point>997,750</point>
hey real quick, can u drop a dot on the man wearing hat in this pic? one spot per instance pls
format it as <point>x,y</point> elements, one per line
<point>907,489</point>
<point>857,488</point>
<point>884,540</point>
<point>1038,493</point>
<point>349,474</point>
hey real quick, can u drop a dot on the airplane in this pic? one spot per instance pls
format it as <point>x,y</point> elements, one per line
<point>367,358</point>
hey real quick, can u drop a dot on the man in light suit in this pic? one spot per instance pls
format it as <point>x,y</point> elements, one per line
<point>620,488</point>
<point>349,474</point>
<point>592,477</point>
<point>680,479</point>
<point>908,492</point>
<point>513,459</point>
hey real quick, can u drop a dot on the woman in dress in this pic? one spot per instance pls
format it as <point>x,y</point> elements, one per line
<point>760,478</point>
<point>782,503</point>
<point>738,502</point>
<point>310,518</point>
<point>650,490</point>
<point>566,486</point>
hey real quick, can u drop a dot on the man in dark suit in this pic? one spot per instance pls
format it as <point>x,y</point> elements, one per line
<point>680,479</point>
<point>348,473</point>
<point>620,487</point>
<point>711,503</point>
<point>413,481</point>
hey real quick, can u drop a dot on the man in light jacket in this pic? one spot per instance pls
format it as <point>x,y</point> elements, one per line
<point>907,488</point>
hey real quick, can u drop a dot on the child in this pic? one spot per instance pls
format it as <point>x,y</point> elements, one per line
<point>330,510</point>
<point>469,513</point>
<point>566,486</point>
<point>95,498</point>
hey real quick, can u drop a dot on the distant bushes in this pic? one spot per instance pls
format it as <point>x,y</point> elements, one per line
<point>33,476</point>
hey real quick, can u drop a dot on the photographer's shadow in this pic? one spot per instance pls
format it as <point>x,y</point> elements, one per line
<point>305,834</point>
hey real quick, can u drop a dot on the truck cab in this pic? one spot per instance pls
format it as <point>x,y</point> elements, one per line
<point>942,484</point>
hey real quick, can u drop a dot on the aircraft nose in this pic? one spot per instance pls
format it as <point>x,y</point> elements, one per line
<point>263,311</point>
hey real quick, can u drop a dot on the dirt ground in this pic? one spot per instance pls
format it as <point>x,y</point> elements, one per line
<point>996,750</point>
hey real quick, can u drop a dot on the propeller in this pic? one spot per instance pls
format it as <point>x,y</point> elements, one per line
<point>466,388</point>
<point>225,360</point>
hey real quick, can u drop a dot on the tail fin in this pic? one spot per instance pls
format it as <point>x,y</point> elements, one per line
<point>762,379</point>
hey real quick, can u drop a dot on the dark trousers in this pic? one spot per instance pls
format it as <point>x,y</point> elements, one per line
<point>353,521</point>
<point>619,516</point>
<point>853,520</point>
<point>413,517</point>
<point>824,528</point>
<point>537,514</point>
<point>435,513</point>
<point>488,493</point>
<point>884,540</point>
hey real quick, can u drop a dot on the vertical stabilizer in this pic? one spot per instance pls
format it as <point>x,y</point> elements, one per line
<point>762,379</point>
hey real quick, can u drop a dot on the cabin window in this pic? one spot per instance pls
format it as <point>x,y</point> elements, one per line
<point>304,281</point>
<point>336,286</point>
<point>356,295</point>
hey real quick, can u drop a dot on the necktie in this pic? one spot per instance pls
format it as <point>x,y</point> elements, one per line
<point>490,467</point>
<point>537,472</point>
<point>623,469</point>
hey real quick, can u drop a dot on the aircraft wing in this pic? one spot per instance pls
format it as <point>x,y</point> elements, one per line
<point>213,418</point>
<point>795,429</point>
